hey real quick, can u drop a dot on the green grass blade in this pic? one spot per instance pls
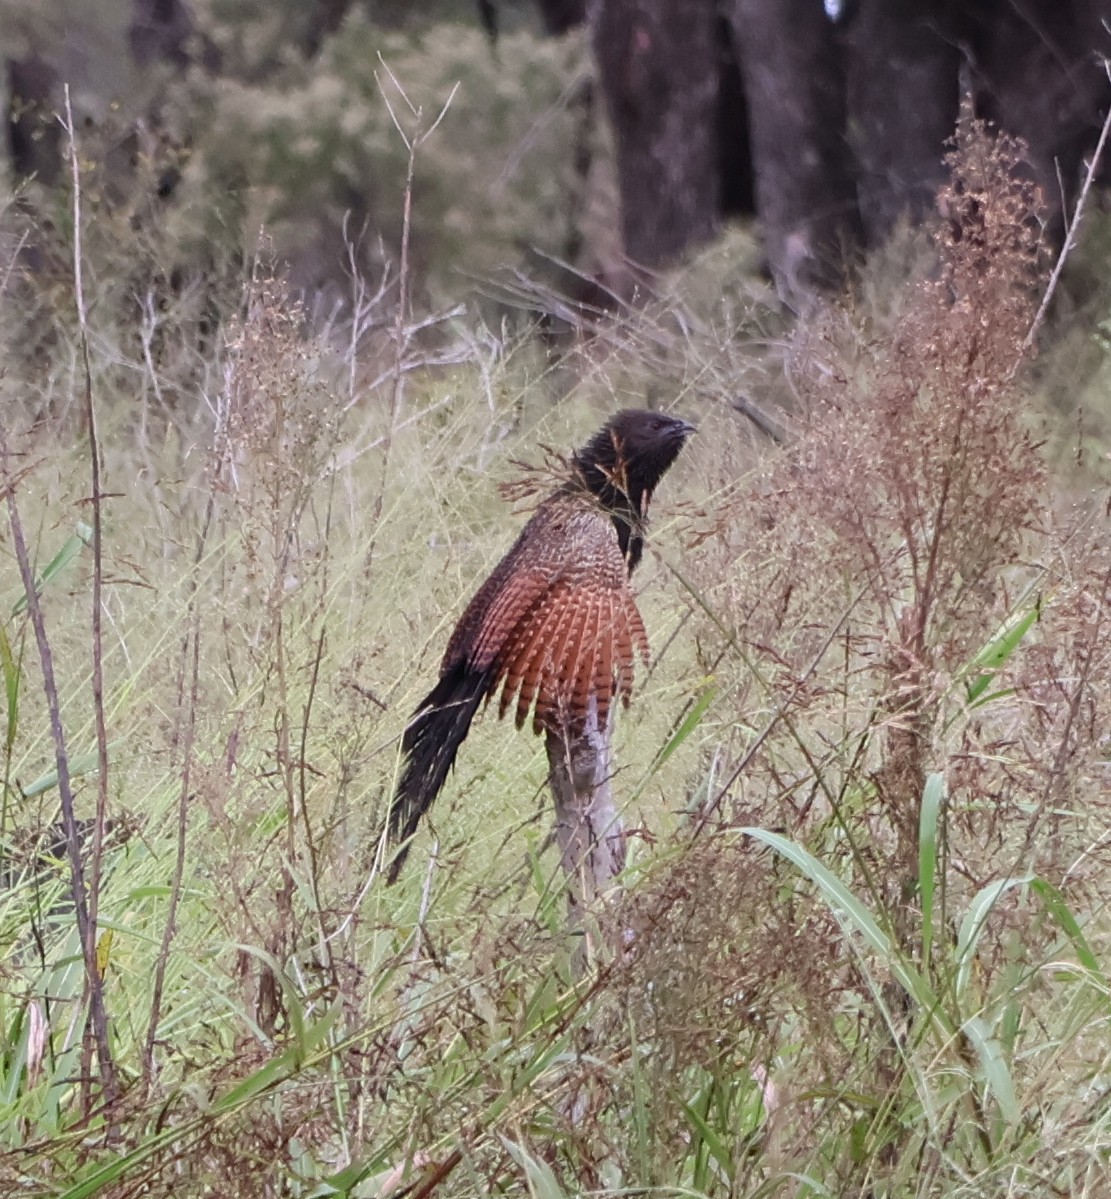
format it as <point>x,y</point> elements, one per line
<point>973,924</point>
<point>282,1066</point>
<point>343,1181</point>
<point>1054,903</point>
<point>11,671</point>
<point>79,765</point>
<point>853,916</point>
<point>997,1077</point>
<point>640,1106</point>
<point>707,1137</point>
<point>692,721</point>
<point>73,546</point>
<point>267,1076</point>
<point>542,1183</point>
<point>812,1185</point>
<point>933,796</point>
<point>995,655</point>
<point>118,1168</point>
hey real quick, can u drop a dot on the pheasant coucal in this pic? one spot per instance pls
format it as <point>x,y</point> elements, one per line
<point>555,624</point>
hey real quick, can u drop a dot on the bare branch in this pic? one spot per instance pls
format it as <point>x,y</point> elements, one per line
<point>93,979</point>
<point>98,1016</point>
<point>1074,226</point>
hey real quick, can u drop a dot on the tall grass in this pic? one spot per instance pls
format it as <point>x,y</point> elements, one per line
<point>865,950</point>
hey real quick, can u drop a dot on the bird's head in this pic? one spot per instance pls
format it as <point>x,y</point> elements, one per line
<point>625,460</point>
<point>622,464</point>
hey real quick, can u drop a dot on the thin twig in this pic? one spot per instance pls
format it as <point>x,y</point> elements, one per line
<point>425,901</point>
<point>781,708</point>
<point>748,407</point>
<point>1056,773</point>
<point>13,261</point>
<point>179,858</point>
<point>9,485</point>
<point>400,339</point>
<point>190,669</point>
<point>101,822</point>
<point>98,1016</point>
<point>328,961</point>
<point>1074,226</point>
<point>402,334</point>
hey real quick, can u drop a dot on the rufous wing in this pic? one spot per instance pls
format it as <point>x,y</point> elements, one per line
<point>576,643</point>
<point>556,621</point>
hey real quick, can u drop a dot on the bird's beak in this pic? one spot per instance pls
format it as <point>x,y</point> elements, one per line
<point>684,427</point>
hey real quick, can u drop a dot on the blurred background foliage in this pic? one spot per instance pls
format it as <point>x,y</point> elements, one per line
<point>260,126</point>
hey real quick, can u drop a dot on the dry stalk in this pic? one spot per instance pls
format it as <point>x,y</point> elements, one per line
<point>98,1014</point>
<point>402,333</point>
<point>177,880</point>
<point>325,948</point>
<point>101,822</point>
<point>190,673</point>
<point>782,706</point>
<point>1074,226</point>
<point>9,484</point>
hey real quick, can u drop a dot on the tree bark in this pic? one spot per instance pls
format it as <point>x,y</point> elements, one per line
<point>1040,78</point>
<point>160,31</point>
<point>903,71</point>
<point>805,200</point>
<point>322,18</point>
<point>589,829</point>
<point>34,134</point>
<point>561,15</point>
<point>656,63</point>
<point>164,31</point>
<point>737,192</point>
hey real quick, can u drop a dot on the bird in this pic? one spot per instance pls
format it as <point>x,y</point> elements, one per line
<point>555,624</point>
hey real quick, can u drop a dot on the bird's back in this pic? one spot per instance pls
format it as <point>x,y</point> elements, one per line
<point>555,621</point>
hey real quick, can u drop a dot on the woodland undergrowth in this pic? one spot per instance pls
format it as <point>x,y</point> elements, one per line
<point>861,948</point>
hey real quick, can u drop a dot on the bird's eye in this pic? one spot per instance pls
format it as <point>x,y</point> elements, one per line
<point>658,423</point>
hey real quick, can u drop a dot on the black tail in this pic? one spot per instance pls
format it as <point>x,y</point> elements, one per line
<point>430,743</point>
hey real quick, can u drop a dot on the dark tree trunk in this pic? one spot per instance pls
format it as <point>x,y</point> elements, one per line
<point>160,32</point>
<point>34,135</point>
<point>561,15</point>
<point>738,187</point>
<point>903,74</point>
<point>657,65</point>
<point>323,18</point>
<point>165,31</point>
<point>791,62</point>
<point>1039,77</point>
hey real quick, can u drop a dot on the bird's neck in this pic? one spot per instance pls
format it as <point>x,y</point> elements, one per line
<point>628,509</point>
